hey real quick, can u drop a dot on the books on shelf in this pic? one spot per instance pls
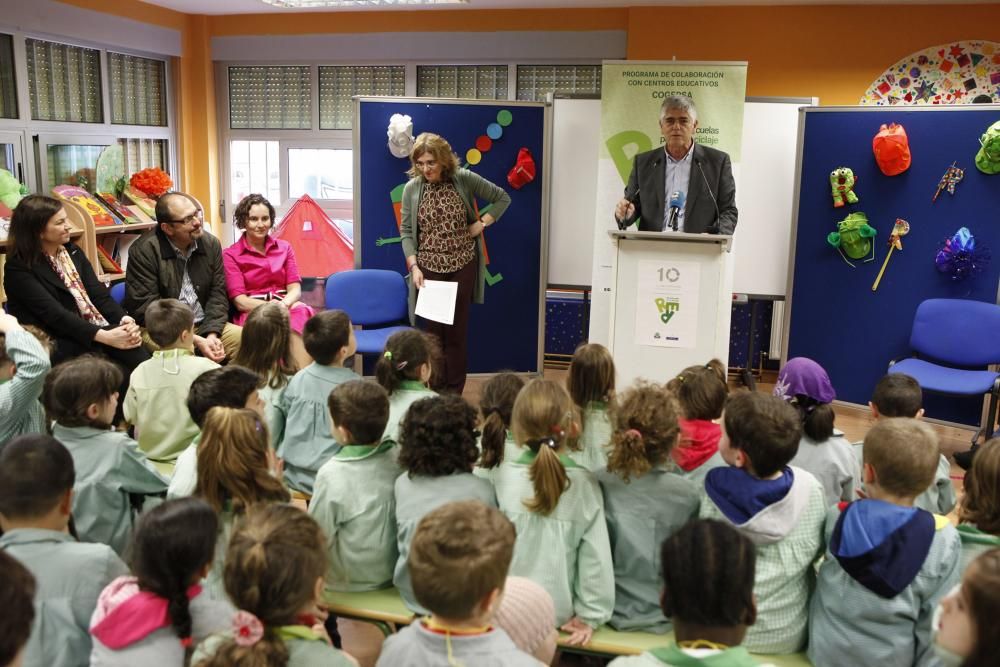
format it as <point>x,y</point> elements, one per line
<point>102,217</point>
<point>121,211</point>
<point>139,198</point>
<point>108,264</point>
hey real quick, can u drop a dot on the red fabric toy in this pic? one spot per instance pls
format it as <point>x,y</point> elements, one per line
<point>892,149</point>
<point>523,171</point>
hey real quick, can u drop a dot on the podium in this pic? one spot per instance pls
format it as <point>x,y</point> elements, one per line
<point>671,302</point>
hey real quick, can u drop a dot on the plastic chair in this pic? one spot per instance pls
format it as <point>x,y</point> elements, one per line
<point>953,343</point>
<point>118,292</point>
<point>375,299</point>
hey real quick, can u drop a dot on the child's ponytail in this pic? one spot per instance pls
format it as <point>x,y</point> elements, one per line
<point>405,353</point>
<point>276,555</point>
<point>544,420</point>
<point>497,407</point>
<point>646,429</point>
<point>173,543</point>
<point>817,418</point>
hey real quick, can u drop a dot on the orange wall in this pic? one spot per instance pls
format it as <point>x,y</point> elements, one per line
<point>833,52</point>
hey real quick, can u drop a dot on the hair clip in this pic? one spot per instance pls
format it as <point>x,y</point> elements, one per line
<point>247,628</point>
<point>401,365</point>
<point>557,430</point>
<point>537,443</point>
<point>387,354</point>
<point>550,443</point>
<point>680,378</point>
<point>186,642</point>
<point>257,425</point>
<point>476,433</point>
<point>634,433</point>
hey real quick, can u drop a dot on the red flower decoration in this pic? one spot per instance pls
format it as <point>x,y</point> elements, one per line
<point>153,181</point>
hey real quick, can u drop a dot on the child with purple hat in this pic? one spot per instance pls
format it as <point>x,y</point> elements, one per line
<point>823,450</point>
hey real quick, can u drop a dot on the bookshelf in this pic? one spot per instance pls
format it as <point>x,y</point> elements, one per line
<point>113,240</point>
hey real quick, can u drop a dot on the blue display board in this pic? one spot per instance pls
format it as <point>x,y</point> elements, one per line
<point>505,333</point>
<point>835,318</point>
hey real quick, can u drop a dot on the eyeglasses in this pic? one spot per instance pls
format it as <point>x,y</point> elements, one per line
<point>429,164</point>
<point>187,220</point>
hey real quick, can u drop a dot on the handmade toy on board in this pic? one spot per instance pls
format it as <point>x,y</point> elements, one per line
<point>892,149</point>
<point>953,175</point>
<point>842,182</point>
<point>400,133</point>
<point>960,258</point>
<point>900,229</point>
<point>853,238</point>
<point>988,157</point>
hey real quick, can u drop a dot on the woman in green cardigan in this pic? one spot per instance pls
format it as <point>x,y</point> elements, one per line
<point>442,240</point>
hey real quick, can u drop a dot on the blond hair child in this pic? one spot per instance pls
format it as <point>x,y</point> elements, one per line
<point>557,508</point>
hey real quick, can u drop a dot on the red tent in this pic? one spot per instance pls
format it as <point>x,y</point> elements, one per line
<point>321,248</point>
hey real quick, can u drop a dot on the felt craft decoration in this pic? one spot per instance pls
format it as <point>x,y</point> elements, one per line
<point>842,182</point>
<point>523,171</point>
<point>11,190</point>
<point>892,149</point>
<point>400,135</point>
<point>960,258</point>
<point>853,238</point>
<point>952,176</point>
<point>988,157</point>
<point>900,229</point>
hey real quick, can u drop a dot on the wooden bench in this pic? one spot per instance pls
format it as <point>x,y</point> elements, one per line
<point>385,609</point>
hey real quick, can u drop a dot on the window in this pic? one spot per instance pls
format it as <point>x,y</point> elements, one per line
<point>64,82</point>
<point>144,153</point>
<point>254,168</point>
<point>8,85</point>
<point>72,164</point>
<point>138,90</point>
<point>272,97</point>
<point>337,85</point>
<point>481,82</point>
<point>534,81</point>
<point>321,173</point>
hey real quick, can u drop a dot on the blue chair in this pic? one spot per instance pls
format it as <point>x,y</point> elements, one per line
<point>118,292</point>
<point>954,341</point>
<point>375,299</point>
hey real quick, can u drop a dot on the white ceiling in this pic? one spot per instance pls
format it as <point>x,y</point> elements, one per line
<point>257,6</point>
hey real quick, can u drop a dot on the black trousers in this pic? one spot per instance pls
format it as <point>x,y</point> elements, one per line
<point>455,337</point>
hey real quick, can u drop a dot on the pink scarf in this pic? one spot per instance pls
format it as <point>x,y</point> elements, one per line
<point>125,614</point>
<point>64,267</point>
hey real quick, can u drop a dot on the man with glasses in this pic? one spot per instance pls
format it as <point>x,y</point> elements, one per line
<point>179,260</point>
<point>682,186</point>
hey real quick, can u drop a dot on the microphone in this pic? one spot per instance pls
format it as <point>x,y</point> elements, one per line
<point>676,204</point>
<point>714,227</point>
<point>631,198</point>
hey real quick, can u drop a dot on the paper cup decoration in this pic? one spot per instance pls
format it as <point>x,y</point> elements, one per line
<point>892,149</point>
<point>853,238</point>
<point>842,183</point>
<point>523,171</point>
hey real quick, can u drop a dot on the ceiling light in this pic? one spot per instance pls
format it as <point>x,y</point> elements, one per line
<point>314,4</point>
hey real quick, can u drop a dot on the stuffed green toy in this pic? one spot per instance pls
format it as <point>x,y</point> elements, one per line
<point>11,191</point>
<point>988,157</point>
<point>842,182</point>
<point>853,238</point>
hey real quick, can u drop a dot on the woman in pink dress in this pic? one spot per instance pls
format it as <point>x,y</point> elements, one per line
<point>261,269</point>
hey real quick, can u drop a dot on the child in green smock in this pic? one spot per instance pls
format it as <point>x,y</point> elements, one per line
<point>979,514</point>
<point>556,505</point>
<point>644,502</point>
<point>591,384</point>
<point>701,392</point>
<point>113,477</point>
<point>274,576</point>
<point>36,494</point>
<point>404,371</point>
<point>496,404</point>
<point>24,361</point>
<point>708,582</point>
<point>267,352</point>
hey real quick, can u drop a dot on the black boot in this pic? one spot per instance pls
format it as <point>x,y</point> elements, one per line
<point>964,459</point>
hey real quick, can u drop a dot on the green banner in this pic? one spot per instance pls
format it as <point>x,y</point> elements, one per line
<point>632,93</point>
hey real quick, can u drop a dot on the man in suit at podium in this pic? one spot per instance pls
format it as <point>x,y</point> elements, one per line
<point>682,186</point>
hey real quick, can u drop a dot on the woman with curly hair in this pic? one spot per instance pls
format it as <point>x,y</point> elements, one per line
<point>438,440</point>
<point>644,502</point>
<point>262,269</point>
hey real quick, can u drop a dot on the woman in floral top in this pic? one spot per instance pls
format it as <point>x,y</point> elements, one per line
<point>441,229</point>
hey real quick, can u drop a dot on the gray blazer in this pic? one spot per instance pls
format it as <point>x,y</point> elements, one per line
<point>711,174</point>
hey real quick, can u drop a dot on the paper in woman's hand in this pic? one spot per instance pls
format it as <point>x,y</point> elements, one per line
<point>436,301</point>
